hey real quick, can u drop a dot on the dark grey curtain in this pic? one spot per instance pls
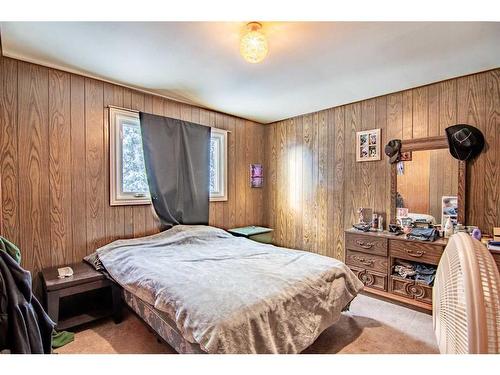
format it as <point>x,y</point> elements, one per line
<point>177,158</point>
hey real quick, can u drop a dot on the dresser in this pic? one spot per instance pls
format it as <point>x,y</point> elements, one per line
<point>371,256</point>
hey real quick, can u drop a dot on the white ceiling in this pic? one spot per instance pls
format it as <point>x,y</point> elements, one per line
<point>310,66</point>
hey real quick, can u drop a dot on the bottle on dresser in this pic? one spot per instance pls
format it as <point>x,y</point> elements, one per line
<point>448,228</point>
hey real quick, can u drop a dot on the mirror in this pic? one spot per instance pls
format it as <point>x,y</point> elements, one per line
<point>434,188</point>
<point>427,186</point>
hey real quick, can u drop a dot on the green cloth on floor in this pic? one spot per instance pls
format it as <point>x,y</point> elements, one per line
<point>61,338</point>
<point>11,249</point>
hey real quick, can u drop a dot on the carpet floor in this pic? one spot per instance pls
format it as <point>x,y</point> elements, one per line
<point>371,326</point>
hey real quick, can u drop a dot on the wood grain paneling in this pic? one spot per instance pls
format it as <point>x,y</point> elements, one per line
<point>55,189</point>
<point>322,183</point>
<point>33,156</point>
<point>336,182</point>
<point>419,112</point>
<point>54,164</point>
<point>94,164</point>
<point>307,189</point>
<point>491,190</point>
<point>78,171</point>
<point>60,166</point>
<point>296,191</point>
<point>9,161</point>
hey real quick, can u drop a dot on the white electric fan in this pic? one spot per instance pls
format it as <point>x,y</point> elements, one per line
<point>466,298</point>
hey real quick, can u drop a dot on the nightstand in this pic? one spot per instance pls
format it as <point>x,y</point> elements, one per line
<point>84,297</point>
<point>259,234</point>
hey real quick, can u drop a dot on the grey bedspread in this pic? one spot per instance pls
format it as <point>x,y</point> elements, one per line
<point>230,294</point>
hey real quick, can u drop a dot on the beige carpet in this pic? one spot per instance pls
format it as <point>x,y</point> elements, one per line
<point>371,326</point>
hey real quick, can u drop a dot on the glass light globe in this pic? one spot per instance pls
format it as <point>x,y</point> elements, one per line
<point>253,45</point>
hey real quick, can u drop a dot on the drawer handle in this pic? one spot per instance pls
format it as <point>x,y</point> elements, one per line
<point>414,290</point>
<point>366,278</point>
<point>416,254</point>
<point>364,245</point>
<point>366,262</point>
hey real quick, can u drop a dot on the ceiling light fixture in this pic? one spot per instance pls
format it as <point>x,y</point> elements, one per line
<point>253,45</point>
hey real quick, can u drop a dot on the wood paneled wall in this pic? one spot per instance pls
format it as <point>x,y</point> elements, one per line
<point>54,164</point>
<point>315,184</point>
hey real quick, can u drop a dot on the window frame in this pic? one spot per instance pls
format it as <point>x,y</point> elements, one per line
<point>221,136</point>
<point>117,196</point>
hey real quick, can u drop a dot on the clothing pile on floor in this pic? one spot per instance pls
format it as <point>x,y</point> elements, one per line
<point>423,273</point>
<point>25,328</point>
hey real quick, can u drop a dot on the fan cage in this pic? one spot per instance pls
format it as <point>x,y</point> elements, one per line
<point>466,299</point>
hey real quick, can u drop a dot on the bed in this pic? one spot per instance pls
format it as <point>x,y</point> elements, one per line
<point>205,291</point>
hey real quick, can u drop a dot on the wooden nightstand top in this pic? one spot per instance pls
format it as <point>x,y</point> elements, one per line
<point>82,273</point>
<point>249,231</point>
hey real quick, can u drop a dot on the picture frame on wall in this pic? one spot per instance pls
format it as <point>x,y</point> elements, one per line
<point>256,175</point>
<point>368,145</point>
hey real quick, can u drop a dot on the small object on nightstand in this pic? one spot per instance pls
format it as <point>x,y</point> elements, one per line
<point>64,272</point>
<point>255,233</point>
<point>60,294</point>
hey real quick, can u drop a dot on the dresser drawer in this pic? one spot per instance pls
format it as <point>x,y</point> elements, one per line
<point>416,251</point>
<point>411,289</point>
<point>366,243</point>
<point>370,279</point>
<point>368,261</point>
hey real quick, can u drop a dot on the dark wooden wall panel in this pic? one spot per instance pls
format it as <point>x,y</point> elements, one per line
<point>60,166</point>
<point>419,112</point>
<point>336,181</point>
<point>492,156</point>
<point>78,170</point>
<point>9,161</point>
<point>291,159</point>
<point>54,164</point>
<point>33,156</point>
<point>94,166</point>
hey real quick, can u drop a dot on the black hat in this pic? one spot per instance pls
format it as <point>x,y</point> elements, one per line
<point>393,150</point>
<point>464,141</point>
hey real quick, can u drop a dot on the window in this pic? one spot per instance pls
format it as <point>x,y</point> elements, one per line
<point>218,165</point>
<point>128,180</point>
<point>129,184</point>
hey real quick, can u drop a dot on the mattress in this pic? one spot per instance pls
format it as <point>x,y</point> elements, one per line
<point>161,324</point>
<point>228,294</point>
